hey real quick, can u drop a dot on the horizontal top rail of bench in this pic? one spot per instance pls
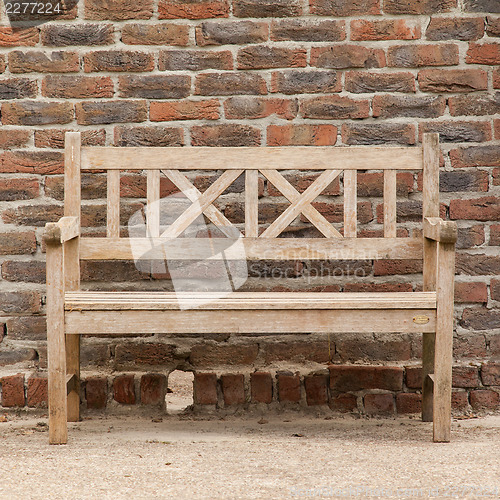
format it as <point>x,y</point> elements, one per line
<point>248,158</point>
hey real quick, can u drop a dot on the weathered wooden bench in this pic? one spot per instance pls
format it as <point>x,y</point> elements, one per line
<point>72,312</point>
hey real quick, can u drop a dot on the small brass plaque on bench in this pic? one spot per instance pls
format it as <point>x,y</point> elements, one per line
<point>421,319</point>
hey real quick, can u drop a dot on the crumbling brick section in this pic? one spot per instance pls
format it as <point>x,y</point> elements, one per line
<point>253,73</point>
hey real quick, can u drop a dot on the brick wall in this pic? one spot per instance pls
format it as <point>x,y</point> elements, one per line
<point>255,73</point>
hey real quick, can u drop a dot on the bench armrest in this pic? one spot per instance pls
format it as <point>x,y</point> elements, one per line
<point>437,229</point>
<point>65,229</point>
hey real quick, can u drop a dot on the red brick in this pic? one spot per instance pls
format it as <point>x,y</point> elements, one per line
<point>267,8</point>
<point>205,388</point>
<point>149,354</point>
<point>354,378</point>
<point>492,25</point>
<point>347,56</point>
<point>194,60</point>
<point>184,110</point>
<point>118,61</point>
<point>69,87</point>
<point>485,53</point>
<point>29,272</point>
<point>372,184</point>
<point>376,404</point>
<point>233,389</point>
<point>394,29</point>
<point>494,346</point>
<point>344,403</point>
<point>471,292</point>
<point>2,63</point>
<point>496,126</point>
<point>54,139</point>
<point>118,10</point>
<point>407,402</point>
<point>14,138</point>
<point>469,346</point>
<point>480,319</point>
<point>465,376</point>
<point>12,37</point>
<point>452,80</point>
<point>295,351</point>
<point>496,78</point>
<point>124,389</point>
<point>413,377</point>
<point>380,133</point>
<point>37,393</point>
<point>215,355</point>
<point>361,82</point>
<point>390,106</point>
<point>316,387</point>
<point>305,30</point>
<point>225,135</point>
<point>64,35</point>
<point>42,62</point>
<point>476,156</point>
<point>96,392</point>
<point>264,57</point>
<point>305,82</point>
<point>301,135</point>
<point>261,384</point>
<point>231,32</point>
<point>343,9</point>
<point>485,399</point>
<point>17,243</point>
<point>425,7</point>
<point>334,108</point>
<point>230,83</point>
<point>490,373</point>
<point>455,28</point>
<point>494,235</point>
<point>17,88</point>
<point>12,390</point>
<point>153,389</point>
<point>119,111</point>
<point>475,105</point>
<point>36,113</point>
<point>288,387</point>
<point>392,266</point>
<point>19,189</point>
<point>485,209</point>
<point>20,302</point>
<point>459,400</point>
<point>458,131</point>
<point>155,34</point>
<point>189,9</point>
<point>238,108</point>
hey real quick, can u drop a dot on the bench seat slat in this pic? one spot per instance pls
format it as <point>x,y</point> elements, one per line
<point>249,300</point>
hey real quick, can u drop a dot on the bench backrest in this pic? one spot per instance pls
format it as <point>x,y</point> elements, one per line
<point>269,161</point>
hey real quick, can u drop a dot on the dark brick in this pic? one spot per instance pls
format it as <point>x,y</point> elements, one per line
<point>12,390</point>
<point>237,108</point>
<point>230,84</point>
<point>492,25</point>
<point>17,243</point>
<point>36,113</point>
<point>391,106</point>
<point>148,136</point>
<point>316,387</point>
<point>344,403</point>
<point>360,82</point>
<point>205,388</point>
<point>79,87</point>
<point>96,392</point>
<point>343,8</point>
<point>305,82</point>
<point>155,34</point>
<point>334,108</point>
<point>455,28</point>
<point>477,264</point>
<point>225,135</point>
<point>347,56</point>
<point>194,60</point>
<point>121,61</point>
<point>64,35</point>
<point>425,7</point>
<point>413,377</point>
<point>465,376</point>
<point>220,355</point>
<point>124,389</point>
<point>147,354</point>
<point>17,88</point>
<point>288,387</point>
<point>380,133</point>
<point>153,389</point>
<point>264,57</point>
<point>407,402</point>
<point>476,156</point>
<point>383,349</point>
<point>118,10</point>
<point>33,215</point>
<point>345,378</point>
<point>261,384</point>
<point>474,105</point>
<point>43,62</point>
<point>20,302</point>
<point>469,346</point>
<point>463,180</point>
<point>20,355</point>
<point>37,393</point>
<point>54,138</point>
<point>485,399</point>
<point>267,8</point>
<point>376,404</point>
<point>295,352</point>
<point>415,56</point>
<point>452,80</point>
<point>490,373</point>
<point>29,272</point>
<point>233,32</point>
<point>469,237</point>
<point>459,400</point>
<point>233,389</point>
<point>458,131</point>
<point>19,189</point>
<point>192,9</point>
<point>27,328</point>
<point>98,113</point>
<point>480,319</point>
<point>305,30</point>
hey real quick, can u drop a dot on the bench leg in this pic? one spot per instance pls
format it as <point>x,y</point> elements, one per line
<point>444,342</point>
<point>427,369</point>
<point>73,368</point>
<point>58,431</point>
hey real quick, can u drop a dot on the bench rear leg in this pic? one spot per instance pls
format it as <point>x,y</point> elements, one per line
<point>73,369</point>
<point>428,344</point>
<point>58,431</point>
<point>444,342</point>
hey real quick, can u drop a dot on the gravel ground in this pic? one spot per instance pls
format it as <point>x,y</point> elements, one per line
<point>252,457</point>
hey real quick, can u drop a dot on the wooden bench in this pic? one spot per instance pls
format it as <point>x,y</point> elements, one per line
<point>72,312</point>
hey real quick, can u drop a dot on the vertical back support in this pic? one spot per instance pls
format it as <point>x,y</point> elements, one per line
<point>72,204</point>
<point>251,203</point>
<point>153,206</point>
<point>350,203</point>
<point>390,203</point>
<point>113,218</point>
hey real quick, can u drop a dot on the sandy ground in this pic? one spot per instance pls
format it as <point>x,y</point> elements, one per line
<point>276,456</point>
